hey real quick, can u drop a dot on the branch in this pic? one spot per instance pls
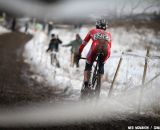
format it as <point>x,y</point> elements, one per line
<point>134,7</point>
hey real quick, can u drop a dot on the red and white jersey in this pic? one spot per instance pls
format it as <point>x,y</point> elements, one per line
<point>95,35</point>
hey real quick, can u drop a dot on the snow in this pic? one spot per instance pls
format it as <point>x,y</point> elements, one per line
<point>131,70</point>
<point>126,93</point>
<point>3,30</point>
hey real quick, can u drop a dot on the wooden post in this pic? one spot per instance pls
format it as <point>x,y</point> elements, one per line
<point>143,79</point>
<point>115,76</point>
<point>145,66</point>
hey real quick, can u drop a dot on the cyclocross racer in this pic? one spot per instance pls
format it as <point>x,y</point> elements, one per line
<point>102,41</point>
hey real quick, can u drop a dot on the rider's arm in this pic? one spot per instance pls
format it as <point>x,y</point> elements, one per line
<point>84,42</point>
<point>59,41</point>
<point>69,44</point>
<point>50,45</point>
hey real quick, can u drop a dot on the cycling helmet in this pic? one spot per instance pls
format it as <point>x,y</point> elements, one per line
<point>101,24</point>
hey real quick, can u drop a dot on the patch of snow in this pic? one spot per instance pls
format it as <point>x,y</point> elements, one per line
<point>3,30</point>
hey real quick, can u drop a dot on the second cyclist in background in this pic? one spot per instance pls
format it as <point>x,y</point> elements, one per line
<point>54,49</point>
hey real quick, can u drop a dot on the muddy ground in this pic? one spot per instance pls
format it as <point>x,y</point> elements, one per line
<point>17,89</point>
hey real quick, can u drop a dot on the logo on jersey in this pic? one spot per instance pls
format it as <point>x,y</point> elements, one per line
<point>101,36</point>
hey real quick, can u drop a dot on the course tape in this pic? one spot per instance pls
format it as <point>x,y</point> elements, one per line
<point>134,55</point>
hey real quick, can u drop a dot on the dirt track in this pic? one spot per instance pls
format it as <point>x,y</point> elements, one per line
<point>16,88</point>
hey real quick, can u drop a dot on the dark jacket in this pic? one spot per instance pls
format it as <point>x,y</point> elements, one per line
<point>54,44</point>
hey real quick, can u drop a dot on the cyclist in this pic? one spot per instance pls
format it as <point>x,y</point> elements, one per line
<point>101,41</point>
<point>54,49</point>
<point>54,43</point>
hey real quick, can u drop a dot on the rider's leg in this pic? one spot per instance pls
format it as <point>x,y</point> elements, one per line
<point>88,67</point>
<point>72,59</point>
<point>57,61</point>
<point>107,55</point>
<point>101,70</point>
<point>76,60</point>
<point>86,78</point>
<point>87,72</point>
<point>52,58</point>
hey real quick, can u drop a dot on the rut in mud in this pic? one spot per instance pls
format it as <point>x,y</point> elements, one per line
<point>15,85</point>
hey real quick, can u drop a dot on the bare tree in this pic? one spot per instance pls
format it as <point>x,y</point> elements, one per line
<point>135,6</point>
<point>152,5</point>
<point>121,11</point>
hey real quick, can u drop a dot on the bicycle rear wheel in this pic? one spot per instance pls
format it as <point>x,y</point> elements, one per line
<point>96,83</point>
<point>98,86</point>
<point>85,93</point>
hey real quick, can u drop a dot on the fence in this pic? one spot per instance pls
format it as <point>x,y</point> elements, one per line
<point>143,83</point>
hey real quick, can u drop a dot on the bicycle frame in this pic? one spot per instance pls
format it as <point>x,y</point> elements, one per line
<point>96,77</point>
<point>95,74</point>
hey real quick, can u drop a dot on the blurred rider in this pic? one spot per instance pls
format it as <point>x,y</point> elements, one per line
<point>101,41</point>
<point>74,50</point>
<point>54,49</point>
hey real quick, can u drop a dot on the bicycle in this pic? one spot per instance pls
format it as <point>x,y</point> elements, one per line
<point>95,81</point>
<point>54,59</point>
